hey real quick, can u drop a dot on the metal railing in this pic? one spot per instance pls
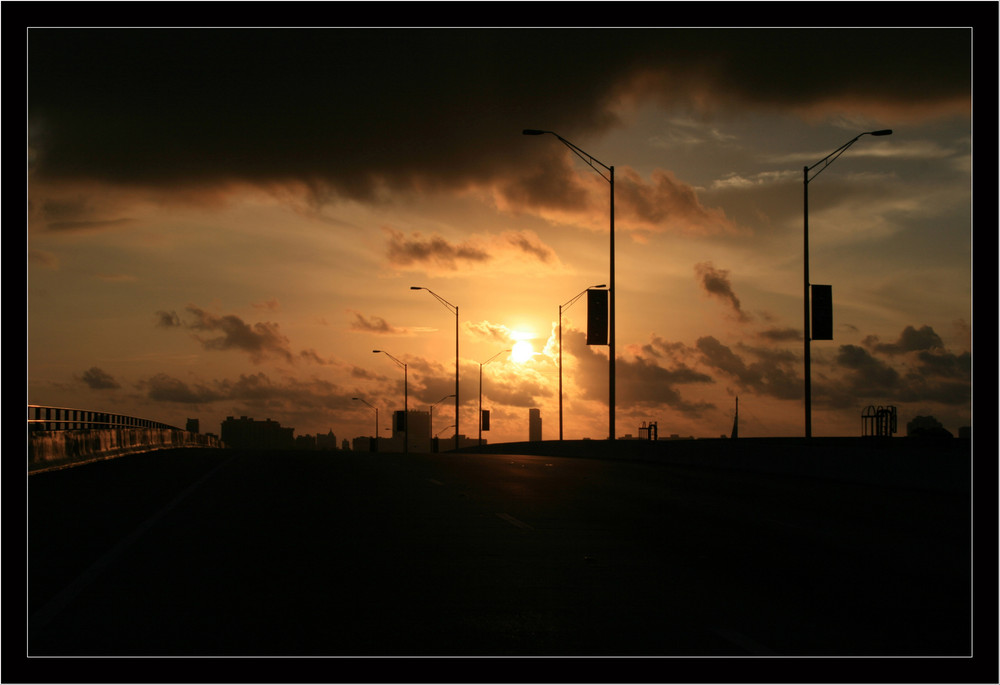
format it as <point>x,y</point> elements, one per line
<point>42,418</point>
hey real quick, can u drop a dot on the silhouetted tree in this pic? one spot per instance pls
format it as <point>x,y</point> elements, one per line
<point>926,427</point>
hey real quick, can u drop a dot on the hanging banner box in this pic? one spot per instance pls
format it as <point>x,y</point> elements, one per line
<point>822,312</point>
<point>597,317</point>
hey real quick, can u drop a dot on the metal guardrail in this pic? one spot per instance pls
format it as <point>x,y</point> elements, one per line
<point>42,418</point>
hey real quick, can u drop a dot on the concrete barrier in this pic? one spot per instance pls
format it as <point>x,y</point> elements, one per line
<point>943,464</point>
<point>59,449</point>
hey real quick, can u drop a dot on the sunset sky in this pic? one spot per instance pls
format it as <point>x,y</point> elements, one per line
<point>228,222</point>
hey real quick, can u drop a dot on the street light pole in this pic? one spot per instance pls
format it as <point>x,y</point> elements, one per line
<point>406,409</point>
<point>806,328</point>
<point>566,305</point>
<point>376,420</point>
<point>610,178</point>
<point>481,365</point>
<point>451,307</point>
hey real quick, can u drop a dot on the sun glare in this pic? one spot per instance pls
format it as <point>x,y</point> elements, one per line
<point>522,351</point>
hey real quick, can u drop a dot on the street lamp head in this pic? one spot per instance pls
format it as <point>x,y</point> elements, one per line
<point>376,351</point>
<point>532,132</point>
<point>416,287</point>
<point>883,132</point>
<point>599,286</point>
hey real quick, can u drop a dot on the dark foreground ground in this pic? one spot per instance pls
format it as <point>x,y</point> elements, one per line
<point>215,553</point>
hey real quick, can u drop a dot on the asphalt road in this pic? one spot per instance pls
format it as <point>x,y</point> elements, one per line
<point>222,553</point>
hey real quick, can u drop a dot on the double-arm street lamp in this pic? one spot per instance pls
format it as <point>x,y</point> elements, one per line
<point>598,166</point>
<point>567,305</point>
<point>376,420</point>
<point>406,409</point>
<point>452,308</point>
<point>806,178</point>
<point>481,365</point>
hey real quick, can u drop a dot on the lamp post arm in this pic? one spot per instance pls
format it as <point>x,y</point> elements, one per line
<point>592,161</point>
<point>567,305</point>
<point>830,158</point>
<point>452,308</point>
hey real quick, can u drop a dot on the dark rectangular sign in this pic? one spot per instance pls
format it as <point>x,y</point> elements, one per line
<point>486,419</point>
<point>597,317</point>
<point>822,312</point>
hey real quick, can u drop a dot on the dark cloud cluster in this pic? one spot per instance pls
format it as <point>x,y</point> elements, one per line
<point>374,324</point>
<point>436,251</point>
<point>403,251</point>
<point>770,373</point>
<point>911,339</point>
<point>260,340</point>
<point>98,379</point>
<point>357,111</point>
<point>716,283</point>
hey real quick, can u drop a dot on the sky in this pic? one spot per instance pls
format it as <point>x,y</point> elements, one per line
<point>227,222</point>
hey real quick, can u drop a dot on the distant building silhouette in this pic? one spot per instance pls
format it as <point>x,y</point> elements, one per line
<point>363,443</point>
<point>244,433</point>
<point>192,426</point>
<point>326,442</point>
<point>534,425</point>
<point>305,442</point>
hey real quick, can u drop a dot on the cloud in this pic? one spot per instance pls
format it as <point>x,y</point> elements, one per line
<point>428,108</point>
<point>507,249</point>
<point>374,324</point>
<point>270,305</point>
<point>312,356</point>
<point>665,204</point>
<point>638,381</point>
<point>403,251</point>
<point>251,393</point>
<point>909,340</point>
<point>167,319</point>
<point>922,371</point>
<point>772,373</point>
<point>868,376</point>
<point>780,334</point>
<point>561,195</point>
<point>716,283</point>
<point>97,379</point>
<point>489,332</point>
<point>529,243</point>
<point>164,388</point>
<point>260,340</point>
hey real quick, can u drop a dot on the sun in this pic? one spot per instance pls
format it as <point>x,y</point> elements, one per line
<point>522,351</point>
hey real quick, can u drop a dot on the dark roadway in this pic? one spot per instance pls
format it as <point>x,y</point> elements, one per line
<point>222,553</point>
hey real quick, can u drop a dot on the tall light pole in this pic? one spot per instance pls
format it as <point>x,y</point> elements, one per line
<point>376,420</point>
<point>566,305</point>
<point>610,178</point>
<point>452,308</point>
<point>806,328</point>
<point>481,365</point>
<point>406,409</point>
